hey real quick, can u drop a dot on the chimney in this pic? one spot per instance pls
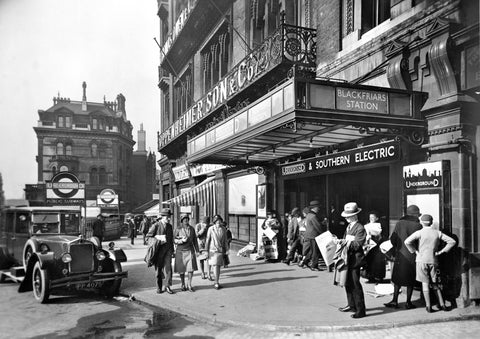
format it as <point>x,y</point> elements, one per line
<point>141,145</point>
<point>84,98</point>
<point>121,104</point>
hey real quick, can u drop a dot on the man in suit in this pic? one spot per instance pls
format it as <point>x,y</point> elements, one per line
<point>99,228</point>
<point>314,227</point>
<point>293,236</point>
<point>354,238</point>
<point>162,231</point>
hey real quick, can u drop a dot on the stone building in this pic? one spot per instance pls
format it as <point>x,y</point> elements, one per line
<point>91,140</point>
<point>270,104</point>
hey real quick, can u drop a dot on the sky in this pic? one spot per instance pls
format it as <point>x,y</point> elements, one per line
<point>49,47</point>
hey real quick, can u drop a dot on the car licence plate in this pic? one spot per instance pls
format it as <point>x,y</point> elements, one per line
<point>93,284</point>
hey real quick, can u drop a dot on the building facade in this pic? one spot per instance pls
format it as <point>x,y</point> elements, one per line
<point>291,101</point>
<point>91,140</point>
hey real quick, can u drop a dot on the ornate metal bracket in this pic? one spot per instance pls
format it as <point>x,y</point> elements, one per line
<point>415,137</point>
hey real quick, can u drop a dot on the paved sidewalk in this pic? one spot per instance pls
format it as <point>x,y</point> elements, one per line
<point>274,297</point>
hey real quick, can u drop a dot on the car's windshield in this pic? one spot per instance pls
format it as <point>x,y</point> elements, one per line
<point>56,223</point>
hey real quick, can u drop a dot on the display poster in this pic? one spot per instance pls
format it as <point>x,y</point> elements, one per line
<point>428,204</point>
<point>241,194</point>
<point>262,201</point>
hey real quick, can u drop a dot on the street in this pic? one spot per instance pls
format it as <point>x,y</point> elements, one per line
<point>89,315</point>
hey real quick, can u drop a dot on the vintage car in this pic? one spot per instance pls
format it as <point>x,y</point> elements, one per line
<point>55,255</point>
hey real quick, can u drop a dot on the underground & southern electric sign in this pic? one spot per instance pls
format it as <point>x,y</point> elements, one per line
<point>360,156</point>
<point>426,175</point>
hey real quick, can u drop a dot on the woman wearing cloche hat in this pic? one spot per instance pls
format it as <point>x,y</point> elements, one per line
<point>187,245</point>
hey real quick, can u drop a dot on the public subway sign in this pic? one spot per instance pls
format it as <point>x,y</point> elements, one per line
<point>360,156</point>
<point>245,73</point>
<point>360,100</point>
<point>65,189</point>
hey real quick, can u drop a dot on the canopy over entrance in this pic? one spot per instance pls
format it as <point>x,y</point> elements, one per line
<point>310,116</point>
<point>201,194</point>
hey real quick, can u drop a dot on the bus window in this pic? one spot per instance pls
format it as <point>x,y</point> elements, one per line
<point>21,225</point>
<point>10,222</point>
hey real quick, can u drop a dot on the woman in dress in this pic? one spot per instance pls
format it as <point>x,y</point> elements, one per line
<point>201,228</point>
<point>375,269</point>
<point>186,243</point>
<point>216,245</point>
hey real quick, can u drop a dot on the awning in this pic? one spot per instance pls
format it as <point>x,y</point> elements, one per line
<point>202,194</point>
<point>152,211</point>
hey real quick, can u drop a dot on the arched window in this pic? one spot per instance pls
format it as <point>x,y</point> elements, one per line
<point>93,176</point>
<point>68,150</point>
<point>59,148</point>
<point>94,124</point>
<point>102,176</point>
<point>54,170</point>
<point>94,150</point>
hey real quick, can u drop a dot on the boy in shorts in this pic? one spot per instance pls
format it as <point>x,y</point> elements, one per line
<point>425,243</point>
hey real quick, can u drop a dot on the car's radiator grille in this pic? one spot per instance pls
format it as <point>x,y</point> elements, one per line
<point>82,258</point>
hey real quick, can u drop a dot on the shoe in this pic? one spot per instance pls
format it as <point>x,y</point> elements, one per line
<point>159,291</point>
<point>301,264</point>
<point>287,262</point>
<point>315,269</point>
<point>184,288</point>
<point>216,286</point>
<point>391,304</point>
<point>210,278</point>
<point>191,289</point>
<point>204,276</point>
<point>358,315</point>
<point>444,308</point>
<point>429,309</point>
<point>169,290</point>
<point>410,306</point>
<point>347,309</point>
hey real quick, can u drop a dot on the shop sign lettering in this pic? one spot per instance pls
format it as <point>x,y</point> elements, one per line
<point>365,155</point>
<point>240,77</point>
<point>181,172</point>
<point>358,100</point>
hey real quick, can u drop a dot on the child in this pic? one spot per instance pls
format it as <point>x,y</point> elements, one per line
<point>428,241</point>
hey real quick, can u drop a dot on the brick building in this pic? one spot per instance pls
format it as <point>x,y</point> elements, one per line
<point>92,140</point>
<point>274,103</point>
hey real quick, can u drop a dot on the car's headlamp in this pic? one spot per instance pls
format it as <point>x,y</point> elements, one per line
<point>111,245</point>
<point>66,258</point>
<point>100,255</point>
<point>44,248</point>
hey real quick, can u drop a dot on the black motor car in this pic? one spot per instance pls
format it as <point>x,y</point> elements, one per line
<point>55,256</point>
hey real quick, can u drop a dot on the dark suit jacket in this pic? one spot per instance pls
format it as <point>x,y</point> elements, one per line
<point>159,228</point>
<point>314,226</point>
<point>293,227</point>
<point>356,256</point>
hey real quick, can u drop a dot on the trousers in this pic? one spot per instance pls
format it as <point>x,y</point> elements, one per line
<point>164,270</point>
<point>311,252</point>
<point>353,287</point>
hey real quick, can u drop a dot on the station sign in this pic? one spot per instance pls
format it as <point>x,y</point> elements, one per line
<point>65,189</point>
<point>107,198</point>
<point>361,156</point>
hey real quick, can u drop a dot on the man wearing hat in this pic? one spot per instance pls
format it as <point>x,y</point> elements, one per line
<point>162,231</point>
<point>354,238</point>
<point>403,273</point>
<point>314,227</point>
<point>425,243</point>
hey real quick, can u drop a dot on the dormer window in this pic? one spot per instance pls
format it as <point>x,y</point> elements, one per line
<point>61,121</point>
<point>94,124</point>
<point>68,122</point>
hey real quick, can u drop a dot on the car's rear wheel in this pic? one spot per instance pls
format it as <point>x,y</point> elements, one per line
<point>111,288</point>
<point>41,283</point>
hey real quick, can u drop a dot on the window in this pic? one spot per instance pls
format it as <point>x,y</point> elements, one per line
<point>93,176</point>
<point>22,221</point>
<point>61,121</point>
<point>215,58</point>
<point>102,176</point>
<point>374,12</point>
<point>102,151</point>
<point>68,150</point>
<point>63,168</point>
<point>94,124</point>
<point>94,150</point>
<point>183,93</point>
<point>68,122</point>
<point>54,170</point>
<point>59,148</point>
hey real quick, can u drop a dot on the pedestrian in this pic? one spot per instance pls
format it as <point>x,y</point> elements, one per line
<point>144,227</point>
<point>99,228</point>
<point>162,232</point>
<point>425,243</point>
<point>271,235</point>
<point>314,227</point>
<point>186,243</point>
<point>403,273</point>
<point>201,230</point>
<point>226,259</point>
<point>336,225</point>
<point>131,229</point>
<point>216,245</point>
<point>354,239</point>
<point>375,268</point>
<point>293,236</point>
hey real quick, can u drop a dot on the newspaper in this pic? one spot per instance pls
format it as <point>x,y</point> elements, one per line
<point>327,247</point>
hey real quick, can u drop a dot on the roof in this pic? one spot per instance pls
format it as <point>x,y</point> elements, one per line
<point>76,108</point>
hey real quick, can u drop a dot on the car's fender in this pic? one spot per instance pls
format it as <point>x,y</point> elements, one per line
<point>117,254</point>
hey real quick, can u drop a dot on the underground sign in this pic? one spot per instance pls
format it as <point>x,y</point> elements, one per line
<point>65,189</point>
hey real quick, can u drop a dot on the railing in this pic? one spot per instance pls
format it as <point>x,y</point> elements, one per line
<point>289,44</point>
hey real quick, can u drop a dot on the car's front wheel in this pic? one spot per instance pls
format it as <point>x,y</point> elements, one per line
<point>112,287</point>
<point>41,283</point>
